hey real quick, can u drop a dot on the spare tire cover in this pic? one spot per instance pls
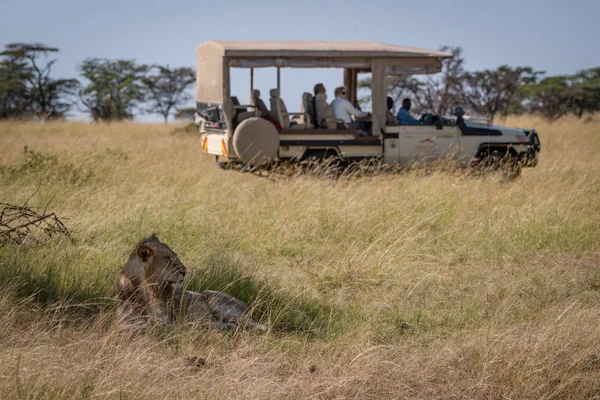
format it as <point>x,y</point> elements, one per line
<point>256,141</point>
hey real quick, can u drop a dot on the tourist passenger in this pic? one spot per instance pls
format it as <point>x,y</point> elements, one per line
<point>318,88</point>
<point>404,116</point>
<point>390,118</point>
<point>343,109</point>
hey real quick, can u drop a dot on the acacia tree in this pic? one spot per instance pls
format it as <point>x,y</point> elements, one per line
<point>556,96</point>
<point>440,92</point>
<point>490,92</point>
<point>14,92</point>
<point>552,97</point>
<point>586,92</point>
<point>115,88</point>
<point>26,86</point>
<point>167,89</point>
<point>185,114</point>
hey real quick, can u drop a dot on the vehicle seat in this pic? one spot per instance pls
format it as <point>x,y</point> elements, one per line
<point>325,117</point>
<point>259,103</point>
<point>241,111</point>
<point>280,114</point>
<point>391,119</point>
<point>307,107</point>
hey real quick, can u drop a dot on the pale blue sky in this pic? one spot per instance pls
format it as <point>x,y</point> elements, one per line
<point>556,36</point>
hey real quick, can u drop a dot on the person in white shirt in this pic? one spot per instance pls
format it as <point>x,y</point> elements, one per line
<point>343,109</point>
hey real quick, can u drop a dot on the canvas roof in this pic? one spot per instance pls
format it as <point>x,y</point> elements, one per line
<point>214,58</point>
<point>317,48</point>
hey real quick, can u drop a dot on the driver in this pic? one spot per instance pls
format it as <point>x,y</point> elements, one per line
<point>404,116</point>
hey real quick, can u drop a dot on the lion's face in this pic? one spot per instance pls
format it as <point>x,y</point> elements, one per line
<point>161,265</point>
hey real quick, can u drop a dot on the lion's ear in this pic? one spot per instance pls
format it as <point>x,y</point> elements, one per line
<point>144,252</point>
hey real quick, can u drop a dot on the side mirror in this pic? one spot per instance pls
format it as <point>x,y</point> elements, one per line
<point>459,112</point>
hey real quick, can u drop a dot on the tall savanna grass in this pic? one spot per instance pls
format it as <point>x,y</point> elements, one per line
<point>422,284</point>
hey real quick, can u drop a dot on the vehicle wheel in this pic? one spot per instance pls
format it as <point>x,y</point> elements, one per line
<point>512,168</point>
<point>256,141</point>
<point>493,161</point>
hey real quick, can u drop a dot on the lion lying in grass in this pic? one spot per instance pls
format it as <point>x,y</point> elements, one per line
<point>150,290</point>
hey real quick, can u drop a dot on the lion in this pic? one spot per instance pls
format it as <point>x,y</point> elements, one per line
<point>150,290</point>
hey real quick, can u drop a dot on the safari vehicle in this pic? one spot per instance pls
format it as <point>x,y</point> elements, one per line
<point>252,134</point>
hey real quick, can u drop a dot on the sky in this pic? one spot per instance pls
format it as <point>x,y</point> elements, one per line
<point>559,37</point>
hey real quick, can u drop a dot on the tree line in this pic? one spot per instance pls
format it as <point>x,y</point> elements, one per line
<point>113,89</point>
<point>118,89</point>
<point>497,92</point>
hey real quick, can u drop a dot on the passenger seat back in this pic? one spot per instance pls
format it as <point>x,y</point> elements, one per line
<point>280,113</point>
<point>325,117</point>
<point>260,105</point>
<point>307,107</point>
<point>241,112</point>
<point>278,109</point>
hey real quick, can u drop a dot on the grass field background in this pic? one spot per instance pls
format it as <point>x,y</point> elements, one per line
<point>423,284</point>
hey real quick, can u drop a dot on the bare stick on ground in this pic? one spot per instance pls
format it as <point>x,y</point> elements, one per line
<point>21,223</point>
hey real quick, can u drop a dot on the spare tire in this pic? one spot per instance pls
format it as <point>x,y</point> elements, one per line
<point>256,141</point>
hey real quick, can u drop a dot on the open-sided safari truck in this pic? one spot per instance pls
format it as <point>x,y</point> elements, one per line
<point>253,134</point>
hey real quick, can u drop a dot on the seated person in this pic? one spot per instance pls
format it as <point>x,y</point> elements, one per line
<point>390,118</point>
<point>404,116</point>
<point>317,89</point>
<point>343,109</point>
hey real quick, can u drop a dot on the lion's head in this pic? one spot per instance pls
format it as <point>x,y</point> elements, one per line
<point>153,271</point>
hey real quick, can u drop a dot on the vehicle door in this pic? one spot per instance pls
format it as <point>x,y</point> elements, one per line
<point>428,143</point>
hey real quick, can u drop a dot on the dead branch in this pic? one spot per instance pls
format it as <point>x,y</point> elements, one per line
<point>18,223</point>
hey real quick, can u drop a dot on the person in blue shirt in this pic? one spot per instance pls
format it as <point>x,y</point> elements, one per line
<point>404,116</point>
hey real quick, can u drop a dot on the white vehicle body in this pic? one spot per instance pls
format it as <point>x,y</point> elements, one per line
<point>239,133</point>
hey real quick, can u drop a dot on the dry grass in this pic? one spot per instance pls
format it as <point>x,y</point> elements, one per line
<point>421,285</point>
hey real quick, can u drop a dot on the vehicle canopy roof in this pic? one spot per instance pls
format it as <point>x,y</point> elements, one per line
<point>214,58</point>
